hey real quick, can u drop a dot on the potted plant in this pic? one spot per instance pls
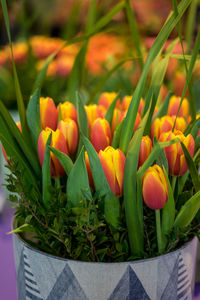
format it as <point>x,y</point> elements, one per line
<point>80,174</point>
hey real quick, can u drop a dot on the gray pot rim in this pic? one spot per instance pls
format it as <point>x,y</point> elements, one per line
<point>100,263</point>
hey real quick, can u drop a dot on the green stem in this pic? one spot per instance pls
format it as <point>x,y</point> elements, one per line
<point>173,183</point>
<point>158,231</point>
<point>57,182</point>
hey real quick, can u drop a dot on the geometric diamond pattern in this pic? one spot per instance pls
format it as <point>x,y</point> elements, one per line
<point>44,277</point>
<point>129,287</point>
<point>67,287</point>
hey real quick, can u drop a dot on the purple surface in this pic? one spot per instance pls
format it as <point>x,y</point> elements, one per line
<point>7,268</point>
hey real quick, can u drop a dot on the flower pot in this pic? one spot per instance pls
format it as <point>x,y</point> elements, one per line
<point>43,276</point>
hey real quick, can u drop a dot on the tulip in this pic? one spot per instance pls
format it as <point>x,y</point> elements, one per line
<point>166,124</point>
<point>145,150</point>
<point>48,113</point>
<point>154,188</point>
<point>107,98</point>
<point>70,131</point>
<point>93,112</point>
<point>101,134</point>
<point>113,162</point>
<point>126,102</point>
<point>174,153</point>
<point>174,105</point>
<point>68,110</point>
<point>58,142</point>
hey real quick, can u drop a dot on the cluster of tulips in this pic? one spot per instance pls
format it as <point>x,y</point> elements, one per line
<point>61,121</point>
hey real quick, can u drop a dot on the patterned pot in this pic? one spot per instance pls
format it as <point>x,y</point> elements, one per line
<point>41,276</point>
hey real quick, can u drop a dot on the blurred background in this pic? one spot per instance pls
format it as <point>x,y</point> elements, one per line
<point>38,29</point>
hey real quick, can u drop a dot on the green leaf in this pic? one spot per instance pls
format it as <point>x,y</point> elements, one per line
<point>23,228</point>
<point>157,45</point>
<point>133,219</point>
<point>19,97</point>
<point>191,23</point>
<point>26,147</point>
<point>162,110</point>
<point>168,212</point>
<point>46,174</point>
<point>108,17</point>
<point>33,115</point>
<point>117,135</point>
<point>82,116</point>
<point>188,211</point>
<point>110,111</point>
<point>78,183</point>
<point>64,159</point>
<point>112,205</point>
<point>192,168</point>
<point>134,31</point>
<point>12,150</point>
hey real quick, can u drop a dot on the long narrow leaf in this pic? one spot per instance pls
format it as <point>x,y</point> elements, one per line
<point>192,168</point>
<point>188,211</point>
<point>168,212</point>
<point>134,31</point>
<point>24,145</point>
<point>78,174</point>
<point>159,42</point>
<point>112,204</point>
<point>111,108</point>
<point>33,115</point>
<point>64,159</point>
<point>46,174</point>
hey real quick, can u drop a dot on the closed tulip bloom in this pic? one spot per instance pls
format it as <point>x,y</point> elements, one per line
<point>113,161</point>
<point>58,142</point>
<point>70,131</point>
<point>154,188</point>
<point>93,112</point>
<point>160,125</point>
<point>68,110</point>
<point>180,123</point>
<point>126,102</point>
<point>101,136</point>
<point>107,98</point>
<point>145,150</point>
<point>174,153</point>
<point>174,105</point>
<point>48,113</point>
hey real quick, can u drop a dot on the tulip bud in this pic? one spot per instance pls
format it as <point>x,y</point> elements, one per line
<point>154,188</point>
<point>48,113</point>
<point>101,134</point>
<point>113,162</point>
<point>68,110</point>
<point>145,150</point>
<point>70,131</point>
<point>174,105</point>
<point>93,112</point>
<point>174,153</point>
<point>107,98</point>
<point>126,102</point>
<point>58,142</point>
